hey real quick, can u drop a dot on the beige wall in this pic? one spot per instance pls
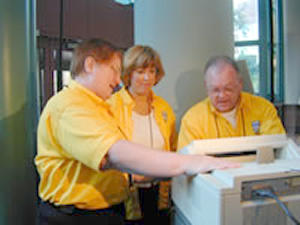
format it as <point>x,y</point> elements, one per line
<point>186,34</point>
<point>291,50</point>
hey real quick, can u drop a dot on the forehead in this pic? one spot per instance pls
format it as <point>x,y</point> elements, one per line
<point>145,64</point>
<point>222,76</point>
<point>147,67</point>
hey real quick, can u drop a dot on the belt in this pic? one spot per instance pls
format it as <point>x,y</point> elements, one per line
<point>72,210</point>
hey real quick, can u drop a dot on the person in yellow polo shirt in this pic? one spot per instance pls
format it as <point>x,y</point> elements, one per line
<point>227,111</point>
<point>82,153</point>
<point>148,120</point>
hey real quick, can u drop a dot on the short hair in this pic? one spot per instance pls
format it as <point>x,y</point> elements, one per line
<point>219,62</point>
<point>140,56</point>
<point>100,50</point>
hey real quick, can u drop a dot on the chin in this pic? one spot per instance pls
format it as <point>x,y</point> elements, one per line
<point>223,109</point>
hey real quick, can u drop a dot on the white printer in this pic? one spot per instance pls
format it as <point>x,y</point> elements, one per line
<point>235,196</point>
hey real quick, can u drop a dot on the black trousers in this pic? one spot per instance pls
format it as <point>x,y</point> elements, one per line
<point>48,214</point>
<point>149,207</point>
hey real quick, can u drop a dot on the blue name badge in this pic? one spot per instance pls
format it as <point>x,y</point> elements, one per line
<point>256,126</point>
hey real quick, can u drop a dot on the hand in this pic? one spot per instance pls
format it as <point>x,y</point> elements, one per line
<point>202,163</point>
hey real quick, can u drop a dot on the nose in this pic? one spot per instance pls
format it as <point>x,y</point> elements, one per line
<point>146,76</point>
<point>222,94</point>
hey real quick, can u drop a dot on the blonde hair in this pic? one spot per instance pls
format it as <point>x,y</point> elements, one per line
<point>140,56</point>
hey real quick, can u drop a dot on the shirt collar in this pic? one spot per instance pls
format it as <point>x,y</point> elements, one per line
<point>126,96</point>
<point>77,86</point>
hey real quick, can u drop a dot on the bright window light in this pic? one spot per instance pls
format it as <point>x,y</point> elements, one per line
<point>125,2</point>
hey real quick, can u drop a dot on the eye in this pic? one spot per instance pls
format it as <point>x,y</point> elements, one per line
<point>140,71</point>
<point>229,89</point>
<point>153,70</point>
<point>215,90</point>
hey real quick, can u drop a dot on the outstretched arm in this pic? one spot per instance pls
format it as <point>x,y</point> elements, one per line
<point>134,158</point>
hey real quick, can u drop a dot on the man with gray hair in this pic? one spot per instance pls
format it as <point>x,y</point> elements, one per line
<point>227,111</point>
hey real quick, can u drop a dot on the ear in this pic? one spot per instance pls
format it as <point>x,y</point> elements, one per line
<point>89,64</point>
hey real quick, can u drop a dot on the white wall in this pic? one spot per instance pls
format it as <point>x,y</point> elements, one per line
<point>186,34</point>
<point>291,50</point>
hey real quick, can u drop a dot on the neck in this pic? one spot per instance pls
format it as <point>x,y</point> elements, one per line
<point>143,103</point>
<point>84,80</point>
<point>87,82</point>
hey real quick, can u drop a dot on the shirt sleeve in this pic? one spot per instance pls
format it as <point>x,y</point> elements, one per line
<point>271,124</point>
<point>86,135</point>
<point>189,131</point>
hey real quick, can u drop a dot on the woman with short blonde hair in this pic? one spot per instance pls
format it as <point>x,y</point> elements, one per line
<point>149,120</point>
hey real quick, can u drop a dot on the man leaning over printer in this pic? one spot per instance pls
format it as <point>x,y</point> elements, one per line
<point>227,111</point>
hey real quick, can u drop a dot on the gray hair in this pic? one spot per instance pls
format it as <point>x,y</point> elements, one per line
<point>218,62</point>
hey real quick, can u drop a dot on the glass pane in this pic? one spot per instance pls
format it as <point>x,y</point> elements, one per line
<point>277,52</point>
<point>251,55</point>
<point>66,77</point>
<point>276,70</point>
<point>245,13</point>
<point>54,81</point>
<point>274,21</point>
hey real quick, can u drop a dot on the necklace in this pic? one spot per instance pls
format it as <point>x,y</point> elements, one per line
<point>150,129</point>
<point>143,103</point>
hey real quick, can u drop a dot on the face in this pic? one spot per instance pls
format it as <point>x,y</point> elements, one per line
<point>105,77</point>
<point>142,80</point>
<point>223,87</point>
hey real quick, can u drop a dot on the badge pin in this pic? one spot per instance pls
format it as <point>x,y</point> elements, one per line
<point>256,126</point>
<point>165,116</point>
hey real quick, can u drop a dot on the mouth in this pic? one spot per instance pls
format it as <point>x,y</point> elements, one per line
<point>147,84</point>
<point>223,104</point>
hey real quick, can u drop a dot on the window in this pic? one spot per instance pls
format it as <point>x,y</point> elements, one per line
<point>66,79</point>
<point>125,2</point>
<point>258,40</point>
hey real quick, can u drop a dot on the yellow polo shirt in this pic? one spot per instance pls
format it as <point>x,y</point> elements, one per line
<point>255,116</point>
<point>75,132</point>
<point>122,106</point>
